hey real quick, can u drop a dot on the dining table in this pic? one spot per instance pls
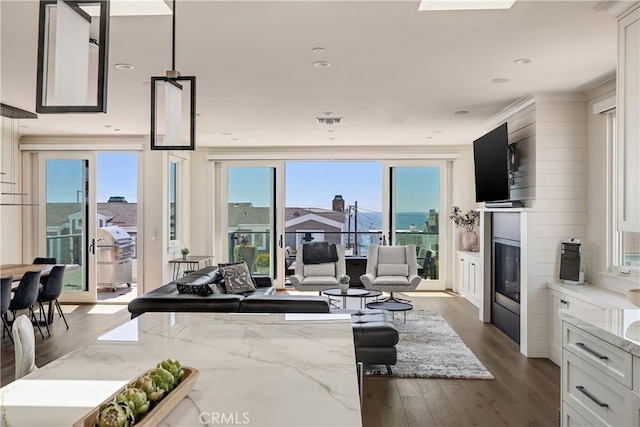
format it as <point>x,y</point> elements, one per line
<point>263,369</point>
<point>19,270</point>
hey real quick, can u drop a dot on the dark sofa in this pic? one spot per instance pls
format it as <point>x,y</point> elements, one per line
<point>167,299</point>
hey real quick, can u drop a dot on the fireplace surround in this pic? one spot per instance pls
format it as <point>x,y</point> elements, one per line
<point>505,273</point>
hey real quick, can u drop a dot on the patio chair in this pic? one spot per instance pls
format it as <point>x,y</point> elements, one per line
<point>317,276</point>
<point>391,269</point>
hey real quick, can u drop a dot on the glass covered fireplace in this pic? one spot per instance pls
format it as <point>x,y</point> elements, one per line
<point>505,273</point>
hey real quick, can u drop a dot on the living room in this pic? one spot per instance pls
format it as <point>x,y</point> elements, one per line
<point>271,69</point>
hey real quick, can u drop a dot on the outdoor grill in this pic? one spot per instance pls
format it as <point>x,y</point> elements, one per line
<point>115,253</point>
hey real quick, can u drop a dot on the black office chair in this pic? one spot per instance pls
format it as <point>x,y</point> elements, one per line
<point>26,296</point>
<point>51,292</point>
<point>4,304</point>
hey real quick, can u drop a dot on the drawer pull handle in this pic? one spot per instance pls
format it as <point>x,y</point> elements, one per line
<point>592,397</point>
<point>588,350</point>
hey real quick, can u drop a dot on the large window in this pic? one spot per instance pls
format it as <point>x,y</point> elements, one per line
<point>174,201</point>
<point>626,241</point>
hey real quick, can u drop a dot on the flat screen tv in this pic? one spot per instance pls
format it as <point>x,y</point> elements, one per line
<point>491,161</point>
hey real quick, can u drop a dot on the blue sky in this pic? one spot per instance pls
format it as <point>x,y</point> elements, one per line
<point>308,184</point>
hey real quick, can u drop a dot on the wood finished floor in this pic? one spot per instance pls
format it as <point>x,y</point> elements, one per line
<point>526,392</point>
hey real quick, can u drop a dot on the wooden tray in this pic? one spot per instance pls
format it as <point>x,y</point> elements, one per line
<point>160,411</point>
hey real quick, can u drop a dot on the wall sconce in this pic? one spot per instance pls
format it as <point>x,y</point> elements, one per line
<point>173,106</point>
<point>73,41</point>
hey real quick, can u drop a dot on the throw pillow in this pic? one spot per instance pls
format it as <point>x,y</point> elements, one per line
<point>237,278</point>
<point>190,289</point>
<point>393,270</point>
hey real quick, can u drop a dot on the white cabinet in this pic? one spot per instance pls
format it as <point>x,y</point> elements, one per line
<point>558,300</point>
<point>469,277</point>
<point>628,111</point>
<point>596,381</point>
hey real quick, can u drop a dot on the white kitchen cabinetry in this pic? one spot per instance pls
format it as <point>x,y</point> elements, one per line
<point>469,276</point>
<point>598,371</point>
<point>558,300</point>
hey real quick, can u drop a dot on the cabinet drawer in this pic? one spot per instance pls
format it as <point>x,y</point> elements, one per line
<point>571,417</point>
<point>609,359</point>
<point>596,396</point>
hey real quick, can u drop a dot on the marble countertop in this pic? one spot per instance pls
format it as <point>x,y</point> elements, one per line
<point>617,327</point>
<point>255,369</point>
<point>596,295</point>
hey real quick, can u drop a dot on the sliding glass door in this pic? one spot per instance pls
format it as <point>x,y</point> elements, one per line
<point>249,218</point>
<point>415,213</point>
<point>67,220</point>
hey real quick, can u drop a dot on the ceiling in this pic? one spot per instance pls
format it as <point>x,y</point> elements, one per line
<point>397,74</point>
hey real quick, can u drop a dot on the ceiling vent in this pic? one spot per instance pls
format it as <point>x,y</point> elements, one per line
<point>329,120</point>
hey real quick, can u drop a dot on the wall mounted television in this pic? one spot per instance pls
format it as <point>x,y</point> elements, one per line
<point>491,162</point>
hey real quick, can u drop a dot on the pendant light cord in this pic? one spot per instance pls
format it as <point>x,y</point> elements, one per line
<point>173,39</point>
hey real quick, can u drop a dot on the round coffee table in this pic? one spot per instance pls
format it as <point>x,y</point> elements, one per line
<point>392,306</point>
<point>351,293</point>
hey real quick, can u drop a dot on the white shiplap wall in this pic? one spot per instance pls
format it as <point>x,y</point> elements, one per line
<point>552,132</point>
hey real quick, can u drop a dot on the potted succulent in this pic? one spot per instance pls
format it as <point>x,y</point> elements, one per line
<point>468,223</point>
<point>184,252</point>
<point>343,282</point>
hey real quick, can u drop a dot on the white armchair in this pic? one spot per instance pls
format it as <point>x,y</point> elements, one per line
<point>317,277</point>
<point>391,269</point>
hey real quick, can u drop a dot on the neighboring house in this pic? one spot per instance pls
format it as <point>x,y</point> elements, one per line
<point>64,226</point>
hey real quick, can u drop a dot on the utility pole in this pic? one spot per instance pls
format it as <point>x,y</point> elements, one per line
<point>349,227</point>
<point>355,237</point>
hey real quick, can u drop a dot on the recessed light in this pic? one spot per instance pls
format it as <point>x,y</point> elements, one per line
<point>522,61</point>
<point>235,139</point>
<point>428,137</point>
<point>198,114</point>
<point>438,131</point>
<point>227,133</point>
<point>332,138</point>
<point>330,130</point>
<point>117,130</point>
<point>317,50</point>
<point>321,64</point>
<point>461,112</point>
<point>500,80</point>
<point>328,113</point>
<point>124,66</point>
<point>23,126</point>
<point>107,126</point>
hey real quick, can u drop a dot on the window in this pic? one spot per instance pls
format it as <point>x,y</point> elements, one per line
<point>175,208</point>
<point>626,242</point>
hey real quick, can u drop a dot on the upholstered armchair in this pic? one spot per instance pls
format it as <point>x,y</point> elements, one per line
<point>391,269</point>
<point>317,276</point>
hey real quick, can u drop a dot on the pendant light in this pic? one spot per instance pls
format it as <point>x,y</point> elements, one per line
<point>173,106</point>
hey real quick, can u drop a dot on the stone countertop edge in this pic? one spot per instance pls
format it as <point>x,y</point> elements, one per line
<point>596,295</point>
<point>600,324</point>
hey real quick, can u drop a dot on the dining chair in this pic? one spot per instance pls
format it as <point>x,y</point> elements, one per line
<point>25,346</point>
<point>4,304</point>
<point>44,260</point>
<point>50,293</point>
<point>26,296</point>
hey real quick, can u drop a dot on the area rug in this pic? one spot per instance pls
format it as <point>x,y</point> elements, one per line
<point>429,348</point>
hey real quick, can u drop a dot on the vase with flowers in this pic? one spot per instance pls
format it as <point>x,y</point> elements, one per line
<point>468,223</point>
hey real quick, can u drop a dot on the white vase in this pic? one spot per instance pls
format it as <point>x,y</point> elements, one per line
<point>469,241</point>
<point>344,287</point>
